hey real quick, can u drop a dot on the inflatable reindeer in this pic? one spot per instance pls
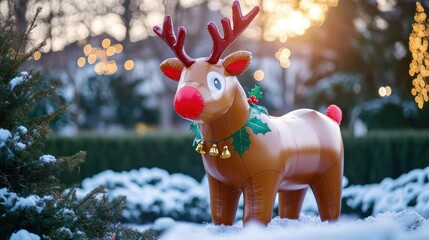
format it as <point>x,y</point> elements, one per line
<point>251,152</point>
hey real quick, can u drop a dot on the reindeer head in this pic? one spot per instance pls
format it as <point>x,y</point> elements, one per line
<point>207,86</point>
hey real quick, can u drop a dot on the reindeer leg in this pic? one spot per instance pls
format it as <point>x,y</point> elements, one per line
<point>223,202</point>
<point>290,203</point>
<point>327,191</point>
<point>259,195</point>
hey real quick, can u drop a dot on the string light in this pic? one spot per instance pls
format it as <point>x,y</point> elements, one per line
<point>418,45</point>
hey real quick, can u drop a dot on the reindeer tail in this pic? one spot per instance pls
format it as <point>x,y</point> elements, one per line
<point>334,112</point>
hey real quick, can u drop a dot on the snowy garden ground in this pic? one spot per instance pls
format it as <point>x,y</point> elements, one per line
<point>402,225</point>
<point>398,208</point>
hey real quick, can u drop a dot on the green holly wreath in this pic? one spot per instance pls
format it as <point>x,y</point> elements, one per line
<point>241,139</point>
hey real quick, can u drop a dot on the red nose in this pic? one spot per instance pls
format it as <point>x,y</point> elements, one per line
<point>188,103</point>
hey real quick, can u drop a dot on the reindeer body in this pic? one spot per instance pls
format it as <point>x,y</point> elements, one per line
<point>303,148</point>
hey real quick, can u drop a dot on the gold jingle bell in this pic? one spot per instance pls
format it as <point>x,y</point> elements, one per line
<point>225,152</point>
<point>200,148</point>
<point>214,151</point>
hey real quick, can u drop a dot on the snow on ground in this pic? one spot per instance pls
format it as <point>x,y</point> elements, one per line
<point>401,226</point>
<point>398,208</point>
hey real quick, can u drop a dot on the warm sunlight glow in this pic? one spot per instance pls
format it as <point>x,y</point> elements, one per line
<point>76,20</point>
<point>282,19</point>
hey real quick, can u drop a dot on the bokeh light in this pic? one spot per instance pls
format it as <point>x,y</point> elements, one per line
<point>37,55</point>
<point>106,43</point>
<point>119,48</point>
<point>92,58</point>
<point>100,57</point>
<point>81,61</point>
<point>385,91</point>
<point>258,75</point>
<point>110,51</point>
<point>87,49</point>
<point>283,55</point>
<point>388,91</point>
<point>128,65</point>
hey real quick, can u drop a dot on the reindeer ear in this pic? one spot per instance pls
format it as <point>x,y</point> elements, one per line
<point>237,62</point>
<point>172,68</point>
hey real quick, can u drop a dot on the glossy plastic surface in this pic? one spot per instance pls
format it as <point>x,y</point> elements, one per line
<point>303,148</point>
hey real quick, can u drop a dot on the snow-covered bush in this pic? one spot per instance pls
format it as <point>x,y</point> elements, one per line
<point>409,191</point>
<point>153,193</point>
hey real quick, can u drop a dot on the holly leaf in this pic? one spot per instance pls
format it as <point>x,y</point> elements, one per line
<point>241,141</point>
<point>256,91</point>
<point>257,109</point>
<point>196,130</point>
<point>258,126</point>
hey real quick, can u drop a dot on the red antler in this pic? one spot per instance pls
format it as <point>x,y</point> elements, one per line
<point>240,23</point>
<point>177,45</point>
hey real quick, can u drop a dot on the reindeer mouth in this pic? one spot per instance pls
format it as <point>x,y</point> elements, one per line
<point>188,103</point>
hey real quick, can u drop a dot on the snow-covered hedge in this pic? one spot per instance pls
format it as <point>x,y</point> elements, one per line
<point>408,192</point>
<point>153,193</point>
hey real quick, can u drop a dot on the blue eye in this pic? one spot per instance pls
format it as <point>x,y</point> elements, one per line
<point>217,84</point>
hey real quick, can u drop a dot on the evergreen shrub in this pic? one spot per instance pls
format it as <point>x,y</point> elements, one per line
<point>368,159</point>
<point>171,151</point>
<point>34,204</point>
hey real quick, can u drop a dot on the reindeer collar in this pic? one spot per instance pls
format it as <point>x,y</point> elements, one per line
<point>241,138</point>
